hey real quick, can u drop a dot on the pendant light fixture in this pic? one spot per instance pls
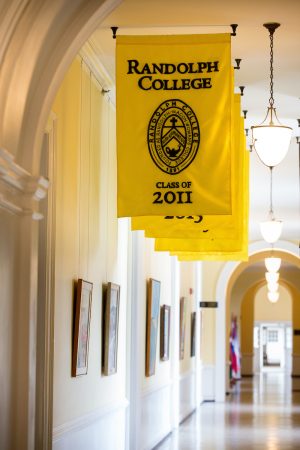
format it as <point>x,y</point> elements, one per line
<point>271,139</point>
<point>271,229</point>
<point>272,264</point>
<point>273,287</point>
<point>272,277</point>
<point>273,297</point>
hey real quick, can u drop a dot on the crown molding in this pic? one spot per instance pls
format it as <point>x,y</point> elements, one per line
<point>92,54</point>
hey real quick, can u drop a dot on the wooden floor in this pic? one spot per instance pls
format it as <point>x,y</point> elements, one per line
<point>261,413</point>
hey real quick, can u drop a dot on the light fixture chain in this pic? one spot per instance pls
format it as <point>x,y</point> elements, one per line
<point>271,100</point>
<point>271,193</point>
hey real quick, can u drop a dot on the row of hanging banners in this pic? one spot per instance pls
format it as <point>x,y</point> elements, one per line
<point>183,168</point>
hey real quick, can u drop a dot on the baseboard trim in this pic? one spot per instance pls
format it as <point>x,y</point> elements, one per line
<point>162,440</point>
<point>187,416</point>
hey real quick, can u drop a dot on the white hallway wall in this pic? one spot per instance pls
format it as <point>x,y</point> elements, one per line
<point>153,405</point>
<point>159,402</point>
<point>92,244</point>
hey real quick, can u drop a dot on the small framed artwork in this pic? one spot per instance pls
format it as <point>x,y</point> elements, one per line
<point>182,328</point>
<point>81,333</point>
<point>165,316</point>
<point>153,300</point>
<point>193,334</point>
<point>111,305</point>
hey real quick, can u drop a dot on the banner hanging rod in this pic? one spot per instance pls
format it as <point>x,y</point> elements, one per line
<point>232,25</point>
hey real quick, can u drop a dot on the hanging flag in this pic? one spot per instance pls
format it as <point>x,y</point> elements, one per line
<point>216,245</point>
<point>174,97</point>
<point>207,226</point>
<point>213,256</point>
<point>234,350</point>
<point>199,245</point>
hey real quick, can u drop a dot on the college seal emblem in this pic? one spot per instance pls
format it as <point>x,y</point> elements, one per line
<point>173,136</point>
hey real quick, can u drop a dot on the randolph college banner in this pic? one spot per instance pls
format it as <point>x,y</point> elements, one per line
<point>174,97</point>
<point>208,226</point>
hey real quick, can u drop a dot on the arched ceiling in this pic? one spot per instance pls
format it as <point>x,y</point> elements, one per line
<point>254,274</point>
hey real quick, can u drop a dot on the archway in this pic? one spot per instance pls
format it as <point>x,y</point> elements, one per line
<point>273,324</point>
<point>229,274</point>
<point>55,32</point>
<point>38,42</point>
<point>259,320</point>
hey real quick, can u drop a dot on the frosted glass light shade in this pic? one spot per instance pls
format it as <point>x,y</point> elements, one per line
<point>271,230</point>
<point>271,139</point>
<point>273,287</point>
<point>273,296</point>
<point>272,277</point>
<point>272,264</point>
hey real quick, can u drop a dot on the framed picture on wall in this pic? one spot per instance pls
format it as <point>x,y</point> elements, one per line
<point>165,317</point>
<point>181,328</point>
<point>111,304</point>
<point>153,300</point>
<point>81,330</point>
<point>193,334</point>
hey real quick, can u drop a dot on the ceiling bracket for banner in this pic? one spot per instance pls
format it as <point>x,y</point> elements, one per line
<point>238,63</point>
<point>242,90</point>
<point>233,33</point>
<point>245,113</point>
<point>234,27</point>
<point>114,31</point>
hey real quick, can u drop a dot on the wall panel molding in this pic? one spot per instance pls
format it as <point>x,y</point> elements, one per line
<point>187,394</point>
<point>69,428</point>
<point>155,416</point>
<point>154,389</point>
<point>208,380</point>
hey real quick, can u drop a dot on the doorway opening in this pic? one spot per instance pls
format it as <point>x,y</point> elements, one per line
<point>273,346</point>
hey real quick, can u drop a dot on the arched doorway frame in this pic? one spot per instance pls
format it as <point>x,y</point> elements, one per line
<point>38,42</point>
<point>222,296</point>
<point>282,323</point>
<point>41,40</point>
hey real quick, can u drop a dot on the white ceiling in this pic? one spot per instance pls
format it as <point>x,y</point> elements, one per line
<point>251,45</point>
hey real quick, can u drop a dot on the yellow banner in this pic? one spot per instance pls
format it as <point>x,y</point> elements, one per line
<point>199,245</point>
<point>174,97</point>
<point>207,226</point>
<point>214,245</point>
<point>194,256</point>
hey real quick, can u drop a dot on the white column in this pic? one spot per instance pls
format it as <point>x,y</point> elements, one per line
<point>174,340</point>
<point>136,352</point>
<point>198,290</point>
<point>220,355</point>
